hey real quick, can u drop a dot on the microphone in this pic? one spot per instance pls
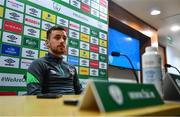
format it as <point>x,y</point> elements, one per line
<point>168,66</point>
<point>117,54</point>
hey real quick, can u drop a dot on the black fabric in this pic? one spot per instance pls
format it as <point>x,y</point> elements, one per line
<point>54,76</point>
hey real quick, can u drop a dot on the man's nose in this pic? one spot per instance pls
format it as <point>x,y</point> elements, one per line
<point>61,40</point>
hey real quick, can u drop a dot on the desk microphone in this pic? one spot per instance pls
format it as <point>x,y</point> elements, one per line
<point>168,66</point>
<point>117,54</point>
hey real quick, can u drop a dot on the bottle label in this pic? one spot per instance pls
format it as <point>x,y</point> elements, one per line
<point>153,75</point>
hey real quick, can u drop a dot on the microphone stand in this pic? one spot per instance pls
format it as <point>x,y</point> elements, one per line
<point>117,54</point>
<point>132,67</point>
<point>168,65</point>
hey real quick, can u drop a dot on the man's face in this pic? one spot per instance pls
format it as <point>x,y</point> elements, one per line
<point>57,42</point>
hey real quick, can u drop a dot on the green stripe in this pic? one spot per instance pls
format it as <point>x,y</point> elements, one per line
<point>31,78</point>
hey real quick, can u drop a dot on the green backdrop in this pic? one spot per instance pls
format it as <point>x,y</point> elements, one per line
<point>23,26</point>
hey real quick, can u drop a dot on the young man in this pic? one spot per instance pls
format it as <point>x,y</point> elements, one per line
<point>50,74</point>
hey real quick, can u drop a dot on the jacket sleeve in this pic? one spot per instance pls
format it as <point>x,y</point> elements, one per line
<point>34,77</point>
<point>77,86</point>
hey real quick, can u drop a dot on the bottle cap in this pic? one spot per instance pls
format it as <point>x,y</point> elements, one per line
<point>151,49</point>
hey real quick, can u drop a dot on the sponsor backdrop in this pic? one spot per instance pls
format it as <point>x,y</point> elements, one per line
<point>23,26</point>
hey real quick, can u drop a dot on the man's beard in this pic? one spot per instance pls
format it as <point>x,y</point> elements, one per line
<point>59,50</point>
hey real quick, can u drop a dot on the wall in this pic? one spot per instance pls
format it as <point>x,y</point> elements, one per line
<point>131,20</point>
<point>173,58</point>
<point>123,16</point>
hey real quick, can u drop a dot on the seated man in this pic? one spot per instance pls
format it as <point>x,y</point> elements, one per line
<point>50,74</point>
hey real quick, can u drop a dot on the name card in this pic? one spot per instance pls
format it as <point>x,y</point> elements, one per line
<point>107,96</point>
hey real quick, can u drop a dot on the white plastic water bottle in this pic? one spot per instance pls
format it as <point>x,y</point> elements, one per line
<point>151,67</point>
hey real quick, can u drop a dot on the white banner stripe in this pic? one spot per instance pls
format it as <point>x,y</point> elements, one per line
<point>49,4</point>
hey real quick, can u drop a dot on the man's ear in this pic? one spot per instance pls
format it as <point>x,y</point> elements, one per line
<point>47,43</point>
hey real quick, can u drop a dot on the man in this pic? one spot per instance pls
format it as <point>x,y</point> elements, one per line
<point>50,74</point>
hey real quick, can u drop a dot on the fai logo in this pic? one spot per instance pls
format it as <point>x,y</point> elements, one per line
<point>9,62</point>
<point>116,94</point>
<point>56,6</point>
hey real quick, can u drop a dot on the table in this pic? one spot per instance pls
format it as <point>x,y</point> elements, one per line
<point>31,106</point>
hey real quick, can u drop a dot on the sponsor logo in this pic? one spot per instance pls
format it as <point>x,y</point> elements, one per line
<point>10,50</point>
<point>116,94</point>
<point>85,29</point>
<point>11,38</point>
<point>84,45</point>
<point>94,33</point>
<point>103,43</point>
<point>74,43</point>
<point>104,3</point>
<point>47,25</point>
<point>94,56</point>
<point>94,12</point>
<point>103,16</point>
<point>83,71</point>
<point>102,50</point>
<point>84,62</point>
<point>33,11</point>
<point>103,9</point>
<point>56,6</point>
<point>32,21</point>
<point>16,80</point>
<point>102,58</point>
<point>48,17</point>
<point>43,35</point>
<point>94,40</point>
<point>13,4</point>
<point>12,26</point>
<point>25,63</point>
<point>84,54</point>
<point>86,2</point>
<point>84,37</point>
<point>102,65</point>
<point>74,26</point>
<point>2,2</point>
<point>94,48</point>
<point>94,64</point>
<point>73,60</point>
<point>73,34</point>
<point>94,5</point>
<point>102,35</point>
<point>9,62</point>
<point>15,16</point>
<point>62,21</point>
<point>31,43</point>
<point>42,54</point>
<point>75,3</point>
<point>94,72</point>
<point>29,31</point>
<point>85,8</point>
<point>43,46</point>
<point>1,11</point>
<point>29,53</point>
<point>73,51</point>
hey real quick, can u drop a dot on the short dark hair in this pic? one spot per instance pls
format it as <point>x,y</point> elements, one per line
<point>52,29</point>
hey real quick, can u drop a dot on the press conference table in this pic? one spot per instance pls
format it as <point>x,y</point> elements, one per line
<point>31,106</point>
